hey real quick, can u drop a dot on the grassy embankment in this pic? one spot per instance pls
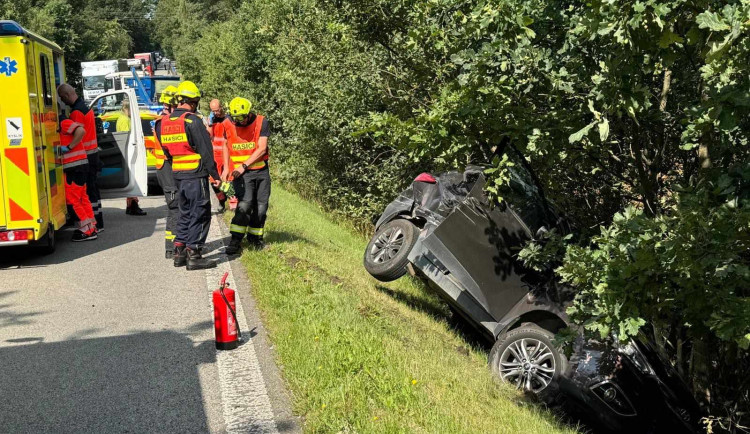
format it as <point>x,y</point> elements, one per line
<point>361,356</point>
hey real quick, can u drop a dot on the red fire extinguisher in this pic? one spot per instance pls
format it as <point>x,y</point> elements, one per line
<point>226,326</point>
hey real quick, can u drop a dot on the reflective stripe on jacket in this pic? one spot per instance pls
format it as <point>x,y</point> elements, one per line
<point>77,154</point>
<point>242,142</point>
<point>89,140</point>
<point>174,140</point>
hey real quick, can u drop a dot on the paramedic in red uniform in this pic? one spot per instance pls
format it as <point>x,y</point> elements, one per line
<point>80,113</point>
<point>76,169</point>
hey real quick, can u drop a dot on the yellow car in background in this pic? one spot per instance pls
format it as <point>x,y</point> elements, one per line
<point>148,119</point>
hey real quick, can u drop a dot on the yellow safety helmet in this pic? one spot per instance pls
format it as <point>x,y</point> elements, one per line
<point>167,95</point>
<point>187,90</point>
<point>240,107</point>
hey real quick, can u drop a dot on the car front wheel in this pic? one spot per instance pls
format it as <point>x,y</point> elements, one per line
<point>386,256</point>
<point>526,358</point>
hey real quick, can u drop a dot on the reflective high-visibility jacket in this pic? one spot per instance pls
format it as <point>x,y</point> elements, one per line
<point>242,142</point>
<point>77,154</point>
<point>174,140</point>
<point>218,140</point>
<point>89,123</point>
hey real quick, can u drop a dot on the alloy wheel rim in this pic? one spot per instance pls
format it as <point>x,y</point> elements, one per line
<point>528,364</point>
<point>387,245</point>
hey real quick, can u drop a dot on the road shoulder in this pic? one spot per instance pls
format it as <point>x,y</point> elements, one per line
<point>277,392</point>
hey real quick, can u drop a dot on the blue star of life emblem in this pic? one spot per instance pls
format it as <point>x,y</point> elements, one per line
<point>8,66</point>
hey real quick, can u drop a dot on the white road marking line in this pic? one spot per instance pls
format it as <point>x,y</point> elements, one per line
<point>247,408</point>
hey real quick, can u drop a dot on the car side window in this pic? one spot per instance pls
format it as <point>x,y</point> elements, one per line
<point>46,86</point>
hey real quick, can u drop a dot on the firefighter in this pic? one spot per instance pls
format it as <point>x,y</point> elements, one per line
<point>80,113</point>
<point>164,176</point>
<point>187,145</point>
<point>219,141</point>
<point>247,140</point>
<point>75,170</point>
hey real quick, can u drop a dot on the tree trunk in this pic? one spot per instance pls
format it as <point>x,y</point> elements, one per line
<point>699,371</point>
<point>703,155</point>
<point>666,84</point>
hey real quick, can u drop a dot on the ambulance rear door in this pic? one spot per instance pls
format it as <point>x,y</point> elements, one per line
<point>121,145</point>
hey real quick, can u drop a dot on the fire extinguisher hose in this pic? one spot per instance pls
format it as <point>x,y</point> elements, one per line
<point>229,306</point>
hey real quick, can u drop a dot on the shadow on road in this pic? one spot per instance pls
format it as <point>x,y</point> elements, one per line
<point>119,230</point>
<point>145,382</point>
<point>10,317</point>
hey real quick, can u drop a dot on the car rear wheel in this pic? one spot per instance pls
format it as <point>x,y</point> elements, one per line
<point>386,254</point>
<point>527,358</point>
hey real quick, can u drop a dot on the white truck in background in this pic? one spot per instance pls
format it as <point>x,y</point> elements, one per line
<point>93,75</point>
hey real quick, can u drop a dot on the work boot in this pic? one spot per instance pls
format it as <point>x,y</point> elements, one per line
<point>180,256</point>
<point>234,247</point>
<point>80,236</point>
<point>134,209</point>
<point>256,242</point>
<point>195,261</point>
<point>99,222</point>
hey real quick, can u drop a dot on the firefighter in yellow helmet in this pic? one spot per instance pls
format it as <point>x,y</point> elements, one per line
<point>167,99</point>
<point>187,146</point>
<point>164,175</point>
<point>247,140</point>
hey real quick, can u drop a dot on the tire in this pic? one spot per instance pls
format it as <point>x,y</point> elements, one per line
<point>551,361</point>
<point>387,252</point>
<point>46,244</point>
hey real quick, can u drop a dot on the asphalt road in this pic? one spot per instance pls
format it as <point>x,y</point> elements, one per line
<point>108,336</point>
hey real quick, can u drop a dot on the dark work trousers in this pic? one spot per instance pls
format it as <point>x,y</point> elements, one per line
<point>95,167</point>
<point>253,190</point>
<point>195,212</point>
<point>168,185</point>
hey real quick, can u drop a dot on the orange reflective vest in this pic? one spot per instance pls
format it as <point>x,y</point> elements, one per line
<point>158,150</point>
<point>89,123</point>
<point>242,142</point>
<point>174,140</point>
<point>89,140</point>
<point>77,154</point>
<point>219,140</point>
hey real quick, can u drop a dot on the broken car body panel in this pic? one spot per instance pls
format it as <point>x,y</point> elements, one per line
<point>467,250</point>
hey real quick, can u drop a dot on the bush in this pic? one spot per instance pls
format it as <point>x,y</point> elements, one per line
<point>634,114</point>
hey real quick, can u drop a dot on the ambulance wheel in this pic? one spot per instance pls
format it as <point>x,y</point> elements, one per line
<point>46,244</point>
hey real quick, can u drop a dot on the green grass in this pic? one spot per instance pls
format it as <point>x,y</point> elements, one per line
<point>361,356</point>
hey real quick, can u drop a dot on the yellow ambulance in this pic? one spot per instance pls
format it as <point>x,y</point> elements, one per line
<point>32,187</point>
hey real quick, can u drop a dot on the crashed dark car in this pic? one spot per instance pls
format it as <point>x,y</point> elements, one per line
<point>446,231</point>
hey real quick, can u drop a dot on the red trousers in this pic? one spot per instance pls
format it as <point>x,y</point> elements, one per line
<point>76,196</point>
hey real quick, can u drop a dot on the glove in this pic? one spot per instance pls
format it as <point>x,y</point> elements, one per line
<point>227,188</point>
<point>64,149</point>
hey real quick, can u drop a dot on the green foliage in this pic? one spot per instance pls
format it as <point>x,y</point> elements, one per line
<point>87,30</point>
<point>635,115</point>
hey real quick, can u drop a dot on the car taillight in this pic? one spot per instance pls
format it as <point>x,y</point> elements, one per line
<point>23,235</point>
<point>425,177</point>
